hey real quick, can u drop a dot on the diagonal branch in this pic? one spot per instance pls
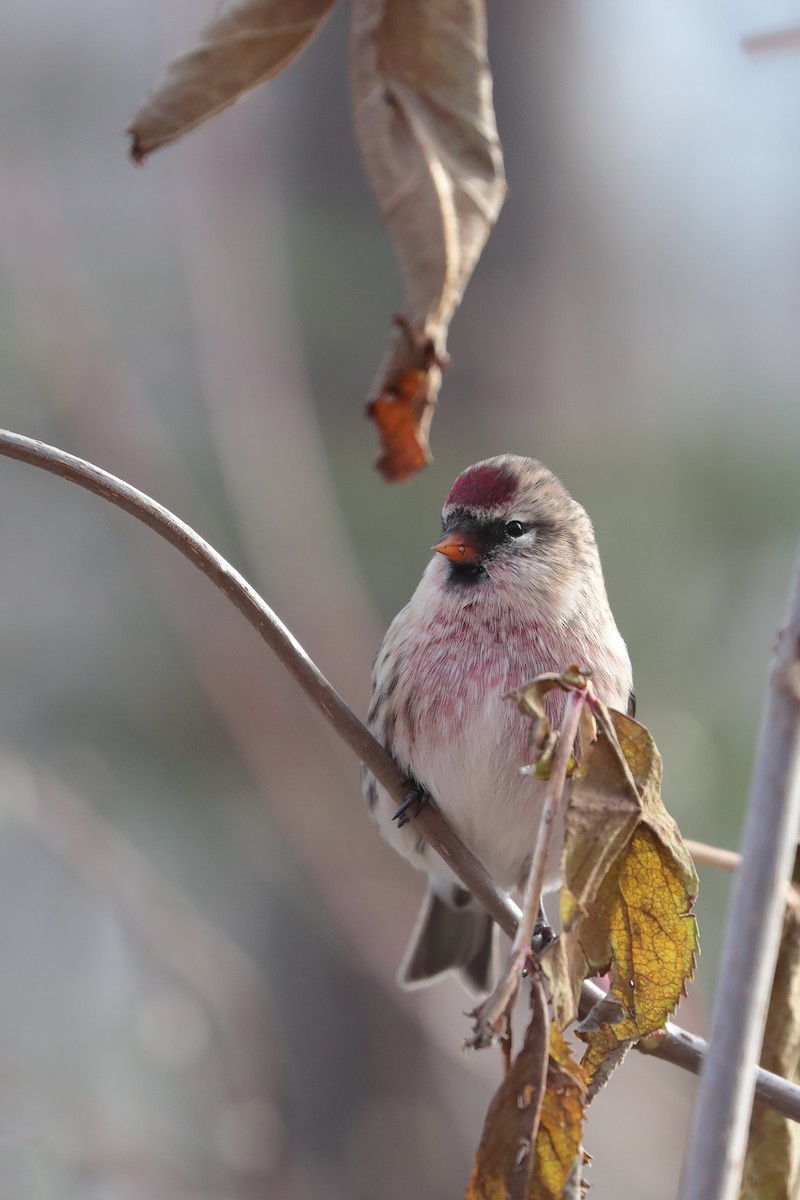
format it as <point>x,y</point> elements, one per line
<point>676,1046</point>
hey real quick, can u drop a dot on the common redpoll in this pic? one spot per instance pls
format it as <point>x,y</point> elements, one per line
<point>515,589</point>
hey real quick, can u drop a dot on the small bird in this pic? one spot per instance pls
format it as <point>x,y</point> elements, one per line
<point>514,589</point>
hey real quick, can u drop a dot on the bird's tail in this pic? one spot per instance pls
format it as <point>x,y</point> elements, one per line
<point>452,933</point>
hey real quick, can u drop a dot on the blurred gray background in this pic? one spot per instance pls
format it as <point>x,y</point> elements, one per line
<point>199,927</point>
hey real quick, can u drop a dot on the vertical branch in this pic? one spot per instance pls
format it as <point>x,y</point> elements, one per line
<point>718,1137</point>
<point>492,1016</point>
<point>553,801</point>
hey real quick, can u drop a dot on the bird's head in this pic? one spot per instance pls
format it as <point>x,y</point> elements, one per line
<point>508,521</point>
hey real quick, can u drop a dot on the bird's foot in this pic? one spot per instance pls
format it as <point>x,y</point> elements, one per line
<point>543,938</point>
<point>543,934</point>
<point>409,809</point>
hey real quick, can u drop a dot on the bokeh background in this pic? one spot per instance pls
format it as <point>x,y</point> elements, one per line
<point>199,927</point>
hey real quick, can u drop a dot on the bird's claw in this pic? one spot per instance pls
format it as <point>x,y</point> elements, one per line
<point>415,798</point>
<point>543,938</point>
<point>544,935</point>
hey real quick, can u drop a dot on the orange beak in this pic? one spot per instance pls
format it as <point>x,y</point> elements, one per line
<point>459,547</point>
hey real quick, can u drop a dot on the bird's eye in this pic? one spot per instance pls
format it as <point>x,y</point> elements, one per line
<point>515,529</point>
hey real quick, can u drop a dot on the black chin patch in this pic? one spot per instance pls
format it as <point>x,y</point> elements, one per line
<point>465,574</point>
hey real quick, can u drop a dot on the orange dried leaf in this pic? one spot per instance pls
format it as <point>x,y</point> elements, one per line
<point>404,444</point>
<point>246,43</point>
<point>403,411</point>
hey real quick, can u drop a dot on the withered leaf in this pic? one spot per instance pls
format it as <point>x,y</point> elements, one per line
<point>402,413</point>
<point>629,888</point>
<point>772,1165</point>
<point>558,1141</point>
<point>504,1158</point>
<point>246,43</point>
<point>604,798</point>
<point>531,700</point>
<point>422,101</point>
<point>600,823</point>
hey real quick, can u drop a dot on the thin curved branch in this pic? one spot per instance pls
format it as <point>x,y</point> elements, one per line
<point>676,1046</point>
<point>283,644</point>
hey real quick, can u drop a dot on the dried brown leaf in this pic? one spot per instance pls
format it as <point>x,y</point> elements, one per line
<point>641,913</point>
<point>504,1158</point>
<point>772,1166</point>
<point>599,825</point>
<point>629,889</point>
<point>531,698</point>
<point>246,43</point>
<point>605,808</point>
<point>422,99</point>
<point>558,1140</point>
<point>565,968</point>
<point>531,1143</point>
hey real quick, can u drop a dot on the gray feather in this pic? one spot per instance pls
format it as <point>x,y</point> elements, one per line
<point>458,936</point>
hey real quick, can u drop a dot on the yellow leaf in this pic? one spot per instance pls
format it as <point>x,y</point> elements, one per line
<point>558,1140</point>
<point>531,1141</point>
<point>605,808</point>
<point>629,888</point>
<point>504,1158</point>
<point>653,944</point>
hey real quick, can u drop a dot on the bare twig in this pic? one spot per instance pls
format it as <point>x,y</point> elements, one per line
<point>287,649</point>
<point>687,1051</point>
<point>718,1137</point>
<point>772,40</point>
<point>704,855</point>
<point>676,1046</point>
